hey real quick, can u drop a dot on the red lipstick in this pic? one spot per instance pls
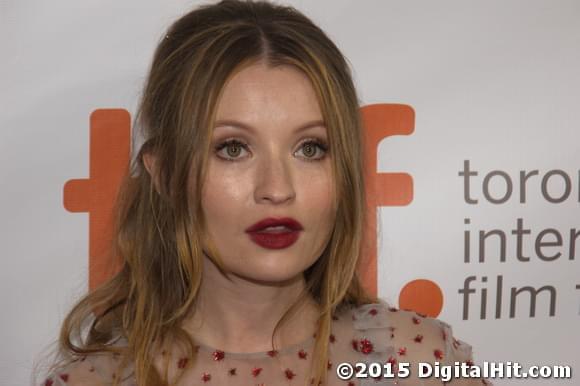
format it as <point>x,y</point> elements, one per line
<point>275,233</point>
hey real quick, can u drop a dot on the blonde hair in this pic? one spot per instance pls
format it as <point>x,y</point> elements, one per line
<point>159,225</point>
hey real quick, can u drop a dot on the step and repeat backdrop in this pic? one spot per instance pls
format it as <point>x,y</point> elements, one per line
<point>471,111</point>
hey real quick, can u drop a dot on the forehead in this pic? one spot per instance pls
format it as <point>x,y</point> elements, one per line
<point>262,95</point>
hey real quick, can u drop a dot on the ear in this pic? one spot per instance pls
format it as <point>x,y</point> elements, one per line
<point>150,162</point>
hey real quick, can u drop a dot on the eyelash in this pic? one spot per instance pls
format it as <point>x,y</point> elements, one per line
<point>322,145</point>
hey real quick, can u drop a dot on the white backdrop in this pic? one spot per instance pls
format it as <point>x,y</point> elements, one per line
<point>495,83</point>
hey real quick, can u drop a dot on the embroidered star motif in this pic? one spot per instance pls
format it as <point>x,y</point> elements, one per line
<point>289,374</point>
<point>393,362</point>
<point>218,355</point>
<point>366,347</point>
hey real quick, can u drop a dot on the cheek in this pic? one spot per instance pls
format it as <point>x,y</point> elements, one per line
<point>318,194</point>
<point>224,194</point>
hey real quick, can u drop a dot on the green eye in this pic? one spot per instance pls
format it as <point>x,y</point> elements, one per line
<point>311,147</point>
<point>233,149</point>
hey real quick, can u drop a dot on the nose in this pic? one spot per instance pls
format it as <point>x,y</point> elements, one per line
<point>274,183</point>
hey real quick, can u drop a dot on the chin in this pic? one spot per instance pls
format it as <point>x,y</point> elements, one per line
<point>265,276</point>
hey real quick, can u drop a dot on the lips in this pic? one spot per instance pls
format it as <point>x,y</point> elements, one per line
<point>274,233</point>
<point>286,222</point>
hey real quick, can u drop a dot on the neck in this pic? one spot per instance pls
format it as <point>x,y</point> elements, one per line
<point>239,315</point>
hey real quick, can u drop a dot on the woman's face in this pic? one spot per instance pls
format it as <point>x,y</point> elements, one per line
<point>269,159</point>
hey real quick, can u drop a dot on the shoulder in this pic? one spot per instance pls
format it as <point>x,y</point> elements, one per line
<point>397,336</point>
<point>99,369</point>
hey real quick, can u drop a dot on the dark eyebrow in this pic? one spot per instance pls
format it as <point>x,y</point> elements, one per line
<point>243,126</point>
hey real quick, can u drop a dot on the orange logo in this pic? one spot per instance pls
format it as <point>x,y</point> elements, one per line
<point>391,189</point>
<point>110,140</point>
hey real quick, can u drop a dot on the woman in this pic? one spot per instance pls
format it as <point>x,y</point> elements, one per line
<point>241,231</point>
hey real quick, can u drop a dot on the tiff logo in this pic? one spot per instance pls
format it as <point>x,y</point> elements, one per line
<point>110,140</point>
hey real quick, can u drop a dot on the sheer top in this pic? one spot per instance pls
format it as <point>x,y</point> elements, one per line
<point>377,335</point>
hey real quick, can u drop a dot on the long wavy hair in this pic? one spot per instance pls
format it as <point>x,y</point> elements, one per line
<point>159,224</point>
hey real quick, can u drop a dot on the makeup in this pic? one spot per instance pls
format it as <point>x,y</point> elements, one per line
<point>272,233</point>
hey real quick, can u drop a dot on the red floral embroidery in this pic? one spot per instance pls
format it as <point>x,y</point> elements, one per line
<point>418,338</point>
<point>206,377</point>
<point>354,344</point>
<point>373,311</point>
<point>64,377</point>
<point>366,347</point>
<point>402,351</point>
<point>48,382</point>
<point>272,353</point>
<point>218,355</point>
<point>469,363</point>
<point>393,362</point>
<point>302,354</point>
<point>289,374</point>
<point>256,371</point>
<point>232,371</point>
<point>438,354</point>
